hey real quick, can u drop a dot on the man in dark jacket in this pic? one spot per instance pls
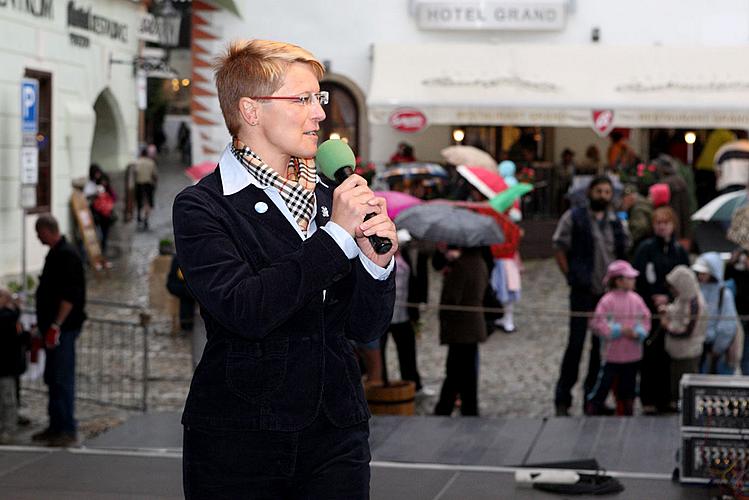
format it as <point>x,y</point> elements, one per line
<point>60,302</point>
<point>586,240</point>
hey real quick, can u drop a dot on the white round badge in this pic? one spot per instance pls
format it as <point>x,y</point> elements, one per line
<point>261,207</point>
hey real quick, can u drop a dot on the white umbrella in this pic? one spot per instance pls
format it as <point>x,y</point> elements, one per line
<point>722,207</point>
<point>469,155</point>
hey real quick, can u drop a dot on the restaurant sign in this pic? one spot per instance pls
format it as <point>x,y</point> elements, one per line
<point>408,120</point>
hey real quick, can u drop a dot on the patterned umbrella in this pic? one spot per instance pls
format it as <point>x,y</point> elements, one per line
<point>721,208</point>
<point>449,224</point>
<point>739,230</point>
<point>414,171</point>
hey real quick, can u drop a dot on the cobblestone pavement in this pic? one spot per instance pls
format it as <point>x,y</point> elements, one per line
<point>517,371</point>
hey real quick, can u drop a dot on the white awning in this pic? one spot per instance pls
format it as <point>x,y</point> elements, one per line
<point>562,85</point>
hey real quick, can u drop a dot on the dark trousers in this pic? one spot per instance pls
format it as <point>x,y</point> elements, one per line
<point>745,357</point>
<point>625,377</point>
<point>143,195</point>
<point>187,313</point>
<point>461,378</point>
<point>59,375</point>
<point>655,386</point>
<point>320,461</point>
<point>405,342</point>
<point>581,300</point>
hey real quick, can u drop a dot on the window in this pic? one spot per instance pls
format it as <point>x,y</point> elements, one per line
<point>44,141</point>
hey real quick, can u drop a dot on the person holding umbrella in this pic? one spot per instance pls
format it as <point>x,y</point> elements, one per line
<point>462,237</point>
<point>466,278</point>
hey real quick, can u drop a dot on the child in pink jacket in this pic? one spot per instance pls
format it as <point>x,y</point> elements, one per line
<point>622,320</point>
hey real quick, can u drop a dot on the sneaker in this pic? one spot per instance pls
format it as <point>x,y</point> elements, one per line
<point>499,323</point>
<point>63,440</point>
<point>426,391</point>
<point>44,435</point>
<point>649,410</point>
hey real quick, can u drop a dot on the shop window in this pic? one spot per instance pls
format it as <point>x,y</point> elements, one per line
<point>342,116</point>
<point>44,141</point>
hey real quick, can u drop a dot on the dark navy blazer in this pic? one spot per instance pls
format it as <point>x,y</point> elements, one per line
<point>277,353</point>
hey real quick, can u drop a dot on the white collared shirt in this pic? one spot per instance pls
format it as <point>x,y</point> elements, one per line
<point>235,177</point>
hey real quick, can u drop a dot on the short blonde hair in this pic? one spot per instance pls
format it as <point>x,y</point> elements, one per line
<point>254,68</point>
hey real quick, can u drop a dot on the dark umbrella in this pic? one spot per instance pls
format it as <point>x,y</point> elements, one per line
<point>450,224</point>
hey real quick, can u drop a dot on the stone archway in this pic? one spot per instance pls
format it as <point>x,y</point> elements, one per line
<point>109,133</point>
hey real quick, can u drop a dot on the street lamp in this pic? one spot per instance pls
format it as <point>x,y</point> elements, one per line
<point>458,135</point>
<point>690,137</point>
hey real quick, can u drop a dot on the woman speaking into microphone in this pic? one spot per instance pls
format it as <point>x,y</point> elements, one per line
<point>284,271</point>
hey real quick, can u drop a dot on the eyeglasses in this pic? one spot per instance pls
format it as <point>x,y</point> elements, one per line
<point>321,98</point>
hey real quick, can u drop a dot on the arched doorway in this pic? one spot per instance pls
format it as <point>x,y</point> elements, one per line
<point>346,114</point>
<point>109,134</point>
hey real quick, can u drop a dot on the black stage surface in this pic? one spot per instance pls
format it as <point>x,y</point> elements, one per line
<point>412,458</point>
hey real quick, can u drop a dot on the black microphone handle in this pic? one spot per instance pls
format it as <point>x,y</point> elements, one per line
<point>381,245</point>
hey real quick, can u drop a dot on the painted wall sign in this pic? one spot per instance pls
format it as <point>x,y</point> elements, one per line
<point>534,16</point>
<point>408,120</point>
<point>161,30</point>
<point>37,8</point>
<point>85,19</point>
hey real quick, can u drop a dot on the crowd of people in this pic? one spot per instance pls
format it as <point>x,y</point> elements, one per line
<point>660,316</point>
<point>653,313</point>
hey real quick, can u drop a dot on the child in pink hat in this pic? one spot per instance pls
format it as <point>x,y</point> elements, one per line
<point>622,320</point>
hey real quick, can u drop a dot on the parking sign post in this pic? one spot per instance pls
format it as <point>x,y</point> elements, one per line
<point>29,161</point>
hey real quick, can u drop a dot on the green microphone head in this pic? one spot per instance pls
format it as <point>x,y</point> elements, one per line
<point>332,156</point>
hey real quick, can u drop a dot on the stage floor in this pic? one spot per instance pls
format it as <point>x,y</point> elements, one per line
<point>412,458</point>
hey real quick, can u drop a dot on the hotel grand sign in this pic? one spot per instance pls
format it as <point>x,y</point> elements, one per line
<point>482,15</point>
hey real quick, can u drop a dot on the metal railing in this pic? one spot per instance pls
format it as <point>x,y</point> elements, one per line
<point>112,365</point>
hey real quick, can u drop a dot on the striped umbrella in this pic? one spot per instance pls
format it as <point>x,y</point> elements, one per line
<point>488,182</point>
<point>414,171</point>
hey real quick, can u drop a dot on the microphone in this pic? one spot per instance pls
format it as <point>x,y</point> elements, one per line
<point>336,161</point>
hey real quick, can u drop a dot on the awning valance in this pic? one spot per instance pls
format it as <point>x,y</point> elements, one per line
<point>563,85</point>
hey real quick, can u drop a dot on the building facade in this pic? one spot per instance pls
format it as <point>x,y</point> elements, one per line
<point>80,55</point>
<point>416,70</point>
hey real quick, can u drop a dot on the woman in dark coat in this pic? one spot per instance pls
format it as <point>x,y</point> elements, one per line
<point>466,279</point>
<point>654,259</point>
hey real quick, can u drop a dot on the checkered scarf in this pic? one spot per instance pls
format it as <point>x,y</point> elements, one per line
<point>297,189</point>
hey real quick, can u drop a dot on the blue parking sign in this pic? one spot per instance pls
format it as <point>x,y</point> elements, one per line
<point>29,105</point>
